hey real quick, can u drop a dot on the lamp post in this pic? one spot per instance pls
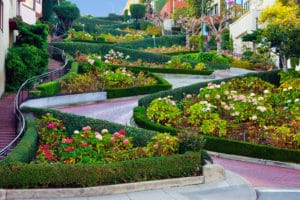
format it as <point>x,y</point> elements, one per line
<point>154,43</point>
<point>203,24</point>
<point>83,27</point>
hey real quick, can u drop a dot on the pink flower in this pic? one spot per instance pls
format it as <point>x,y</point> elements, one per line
<point>51,125</point>
<point>67,140</point>
<point>84,135</point>
<point>68,149</point>
<point>83,144</point>
<point>113,139</point>
<point>98,136</point>
<point>116,134</point>
<point>86,128</point>
<point>116,149</point>
<point>122,132</point>
<point>125,141</point>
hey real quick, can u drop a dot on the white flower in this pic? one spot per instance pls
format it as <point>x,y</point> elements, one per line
<point>222,83</point>
<point>207,96</point>
<point>284,90</point>
<point>104,131</point>
<point>261,108</point>
<point>289,88</point>
<point>98,136</point>
<point>260,98</point>
<point>254,117</point>
<point>76,132</point>
<point>127,57</point>
<point>188,96</point>
<point>266,91</point>
<point>217,96</point>
<point>252,94</point>
<point>297,100</point>
<point>289,101</point>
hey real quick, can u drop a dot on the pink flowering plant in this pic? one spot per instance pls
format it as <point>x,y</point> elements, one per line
<point>246,109</point>
<point>89,146</point>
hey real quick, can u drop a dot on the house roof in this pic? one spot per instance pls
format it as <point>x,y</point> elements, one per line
<point>168,8</point>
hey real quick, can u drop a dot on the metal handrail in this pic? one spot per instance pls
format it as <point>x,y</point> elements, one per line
<point>19,98</point>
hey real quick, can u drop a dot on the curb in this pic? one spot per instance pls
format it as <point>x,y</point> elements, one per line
<point>256,160</point>
<point>98,190</point>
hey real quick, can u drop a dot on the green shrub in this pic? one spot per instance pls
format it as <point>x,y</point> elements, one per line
<point>66,175</point>
<point>23,63</point>
<point>200,66</point>
<point>49,89</point>
<point>241,64</point>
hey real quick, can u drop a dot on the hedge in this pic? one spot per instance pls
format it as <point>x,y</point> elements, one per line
<point>102,49</point>
<point>169,70</point>
<point>166,41</point>
<point>22,175</point>
<point>162,84</point>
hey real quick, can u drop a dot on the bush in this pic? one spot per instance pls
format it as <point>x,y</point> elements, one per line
<point>23,63</point>
<point>79,175</point>
<point>241,64</point>
<point>49,89</point>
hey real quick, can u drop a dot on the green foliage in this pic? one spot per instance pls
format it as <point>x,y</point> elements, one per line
<point>66,12</point>
<point>163,144</point>
<point>154,30</point>
<point>49,89</point>
<point>35,35</point>
<point>23,63</point>
<point>163,111</point>
<point>195,41</point>
<point>200,66</point>
<point>241,64</point>
<point>190,141</point>
<point>137,11</point>
<point>83,175</point>
<point>175,63</point>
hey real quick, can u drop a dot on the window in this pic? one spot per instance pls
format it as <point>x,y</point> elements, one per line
<point>1,15</point>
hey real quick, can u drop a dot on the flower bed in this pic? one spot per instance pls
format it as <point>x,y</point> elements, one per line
<point>245,109</point>
<point>94,165</point>
<point>247,113</point>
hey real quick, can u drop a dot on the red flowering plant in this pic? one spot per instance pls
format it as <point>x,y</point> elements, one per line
<point>89,146</point>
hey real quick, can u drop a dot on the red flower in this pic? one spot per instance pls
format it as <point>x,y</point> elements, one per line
<point>67,140</point>
<point>68,149</point>
<point>84,135</point>
<point>51,125</point>
<point>122,132</point>
<point>83,144</point>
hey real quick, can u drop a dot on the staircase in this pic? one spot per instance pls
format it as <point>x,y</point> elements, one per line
<point>7,120</point>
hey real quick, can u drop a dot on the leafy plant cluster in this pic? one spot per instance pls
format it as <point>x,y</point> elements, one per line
<point>88,146</point>
<point>247,109</point>
<point>28,57</point>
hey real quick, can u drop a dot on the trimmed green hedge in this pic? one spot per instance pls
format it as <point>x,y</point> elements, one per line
<point>65,175</point>
<point>169,70</point>
<point>162,84</point>
<point>166,41</point>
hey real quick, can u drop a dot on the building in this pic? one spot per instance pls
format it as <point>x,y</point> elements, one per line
<point>29,11</point>
<point>247,23</point>
<point>171,6</point>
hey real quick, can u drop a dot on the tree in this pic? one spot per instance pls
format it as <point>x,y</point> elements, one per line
<point>283,29</point>
<point>217,23</point>
<point>66,12</point>
<point>137,11</point>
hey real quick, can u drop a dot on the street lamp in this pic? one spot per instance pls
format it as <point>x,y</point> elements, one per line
<point>83,27</point>
<point>154,41</point>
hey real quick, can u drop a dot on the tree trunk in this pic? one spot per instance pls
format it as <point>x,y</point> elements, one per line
<point>219,44</point>
<point>284,60</point>
<point>187,38</point>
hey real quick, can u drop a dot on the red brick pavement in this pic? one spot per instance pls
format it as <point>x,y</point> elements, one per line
<point>262,175</point>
